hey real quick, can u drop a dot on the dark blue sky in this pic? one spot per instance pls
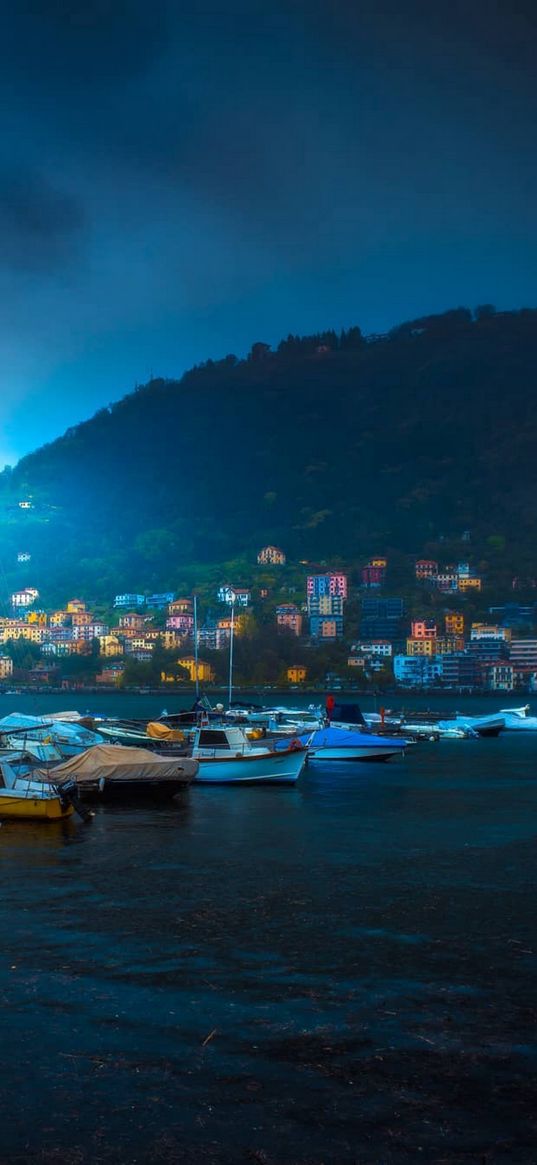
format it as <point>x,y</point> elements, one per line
<point>179,180</point>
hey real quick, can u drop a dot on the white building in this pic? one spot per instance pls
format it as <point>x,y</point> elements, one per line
<point>24,598</point>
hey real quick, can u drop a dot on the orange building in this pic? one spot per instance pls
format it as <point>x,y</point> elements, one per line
<point>454,623</point>
<point>423,629</point>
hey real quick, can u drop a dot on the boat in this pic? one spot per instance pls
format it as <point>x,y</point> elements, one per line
<point>226,756</point>
<point>475,725</point>
<point>23,797</point>
<point>18,730</point>
<point>519,719</point>
<point>110,771</point>
<point>343,744</point>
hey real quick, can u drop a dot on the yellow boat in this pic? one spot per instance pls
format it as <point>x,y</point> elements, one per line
<point>34,808</point>
<point>32,800</point>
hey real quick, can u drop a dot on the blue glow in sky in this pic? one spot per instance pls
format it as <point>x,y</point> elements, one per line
<point>177,182</point>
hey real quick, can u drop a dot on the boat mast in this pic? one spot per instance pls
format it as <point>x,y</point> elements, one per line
<point>230,684</point>
<point>196,645</point>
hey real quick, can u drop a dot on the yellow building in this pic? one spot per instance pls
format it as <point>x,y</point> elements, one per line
<point>18,630</point>
<point>205,671</point>
<point>469,584</point>
<point>381,563</point>
<point>6,667</point>
<point>38,617</point>
<point>58,619</point>
<point>74,606</point>
<point>110,645</point>
<point>296,675</point>
<point>421,646</point>
<point>454,623</point>
<point>171,639</point>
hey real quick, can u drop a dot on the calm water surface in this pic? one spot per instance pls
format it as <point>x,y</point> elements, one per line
<point>339,972</point>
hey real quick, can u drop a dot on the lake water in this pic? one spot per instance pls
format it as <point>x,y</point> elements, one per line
<point>339,972</point>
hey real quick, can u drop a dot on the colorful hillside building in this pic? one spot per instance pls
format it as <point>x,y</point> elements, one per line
<point>326,594</point>
<point>271,556</point>
<point>297,674</point>
<point>24,598</point>
<point>132,600</point>
<point>75,605</point>
<point>288,616</point>
<point>425,568</point>
<point>421,646</point>
<point>234,596</point>
<point>373,575</point>
<point>423,629</point>
<point>205,672</point>
<point>471,583</point>
<point>180,607</point>
<point>454,623</point>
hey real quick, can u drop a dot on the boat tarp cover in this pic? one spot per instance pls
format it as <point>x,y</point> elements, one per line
<point>340,738</point>
<point>160,731</point>
<point>115,762</point>
<point>40,727</point>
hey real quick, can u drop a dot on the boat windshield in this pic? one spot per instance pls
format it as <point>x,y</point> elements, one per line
<point>211,738</point>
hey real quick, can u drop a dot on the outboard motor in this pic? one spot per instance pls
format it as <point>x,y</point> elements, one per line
<point>68,793</point>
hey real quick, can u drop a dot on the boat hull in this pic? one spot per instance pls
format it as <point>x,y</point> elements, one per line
<point>133,790</point>
<point>359,753</point>
<point>33,808</point>
<point>270,769</point>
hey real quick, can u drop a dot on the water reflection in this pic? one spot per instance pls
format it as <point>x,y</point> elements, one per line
<point>338,971</point>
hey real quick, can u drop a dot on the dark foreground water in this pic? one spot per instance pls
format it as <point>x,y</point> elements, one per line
<point>340,972</point>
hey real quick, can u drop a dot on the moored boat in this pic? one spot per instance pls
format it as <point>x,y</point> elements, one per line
<point>341,744</point>
<point>227,756</point>
<point>519,719</point>
<point>22,797</point>
<point>112,771</point>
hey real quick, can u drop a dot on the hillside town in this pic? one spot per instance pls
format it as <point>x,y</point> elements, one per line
<point>387,643</point>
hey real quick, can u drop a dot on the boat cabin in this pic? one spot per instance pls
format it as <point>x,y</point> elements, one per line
<point>213,741</point>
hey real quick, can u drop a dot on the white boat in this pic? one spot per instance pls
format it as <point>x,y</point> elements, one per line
<point>478,725</point>
<point>519,719</point>
<point>226,756</point>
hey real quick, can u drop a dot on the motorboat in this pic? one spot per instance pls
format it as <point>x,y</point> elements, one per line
<point>25,797</point>
<point>519,719</point>
<point>227,756</point>
<point>110,771</point>
<point>343,744</point>
<point>475,725</point>
<point>18,730</point>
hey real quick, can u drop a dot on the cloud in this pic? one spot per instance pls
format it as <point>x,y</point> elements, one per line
<point>41,228</point>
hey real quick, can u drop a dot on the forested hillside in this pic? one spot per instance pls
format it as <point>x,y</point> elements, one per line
<point>332,446</point>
